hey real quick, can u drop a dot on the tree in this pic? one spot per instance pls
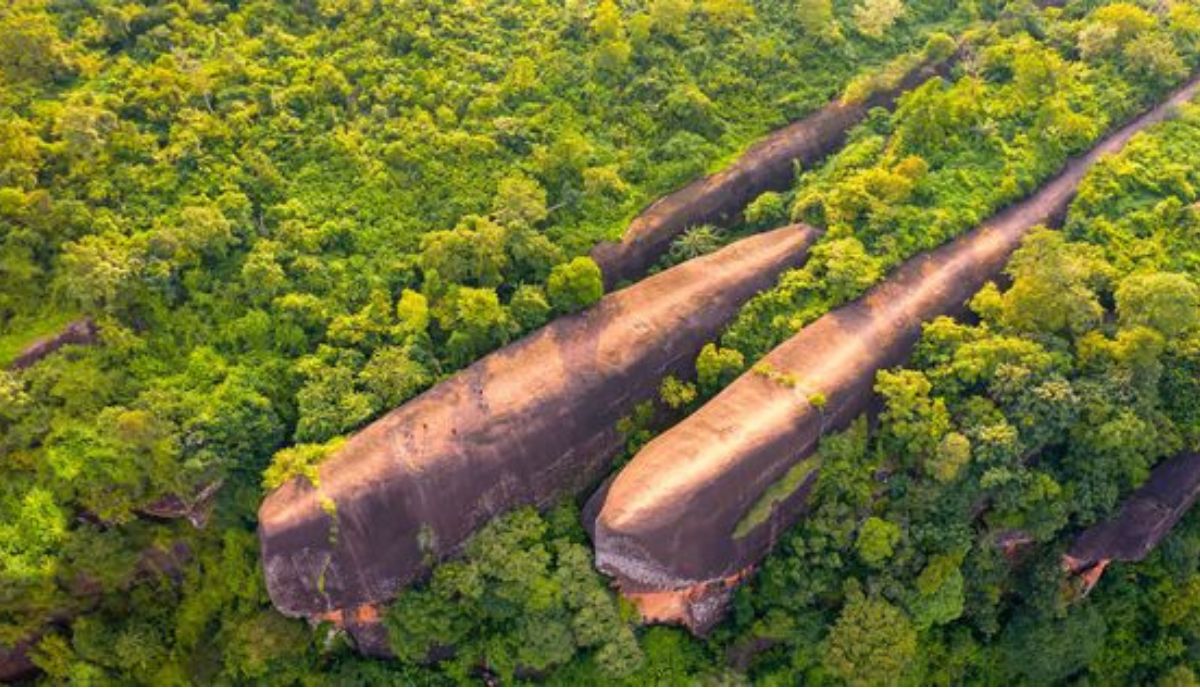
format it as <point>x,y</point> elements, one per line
<point>529,306</point>
<point>1153,58</point>
<point>1168,302</point>
<point>874,17</point>
<point>872,643</point>
<point>767,209</point>
<point>675,393</point>
<point>716,368</point>
<point>727,14</point>
<point>519,201</point>
<point>393,376</point>
<point>816,18</point>
<point>940,592</point>
<point>953,453</point>
<point>613,49</point>
<point>30,48</point>
<point>914,423</point>
<point>412,313</point>
<point>479,324</point>
<point>693,243</point>
<point>575,285</point>
<point>877,539</point>
<point>1054,285</point>
<point>670,17</point>
<point>472,254</point>
<point>328,405</point>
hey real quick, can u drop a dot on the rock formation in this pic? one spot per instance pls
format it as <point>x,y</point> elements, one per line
<point>197,509</point>
<point>80,332</point>
<point>767,165</point>
<point>15,664</point>
<point>524,425</point>
<point>1143,521</point>
<point>667,522</point>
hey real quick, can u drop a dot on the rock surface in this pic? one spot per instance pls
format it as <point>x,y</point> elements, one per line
<point>767,165</point>
<point>15,664</point>
<point>79,332</point>
<point>524,425</point>
<point>666,522</point>
<point>1144,520</point>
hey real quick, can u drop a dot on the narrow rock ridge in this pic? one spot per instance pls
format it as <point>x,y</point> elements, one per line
<point>666,522</point>
<point>1144,520</point>
<point>523,426</point>
<point>79,332</point>
<point>767,165</point>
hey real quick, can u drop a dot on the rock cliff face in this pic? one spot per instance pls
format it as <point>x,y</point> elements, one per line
<point>524,425</point>
<point>80,332</point>
<point>768,165</point>
<point>666,523</point>
<point>1143,521</point>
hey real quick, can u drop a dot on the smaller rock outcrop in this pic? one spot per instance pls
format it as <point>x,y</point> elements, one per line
<point>15,664</point>
<point>196,509</point>
<point>768,165</point>
<point>80,332</point>
<point>1144,520</point>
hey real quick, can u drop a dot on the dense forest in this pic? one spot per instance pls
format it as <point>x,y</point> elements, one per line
<point>284,219</point>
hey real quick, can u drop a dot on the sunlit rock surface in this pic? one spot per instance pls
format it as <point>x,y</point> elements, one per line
<point>666,522</point>
<point>524,425</point>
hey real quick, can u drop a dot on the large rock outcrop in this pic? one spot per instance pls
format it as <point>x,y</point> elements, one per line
<point>524,425</point>
<point>1144,520</point>
<point>666,524</point>
<point>767,165</point>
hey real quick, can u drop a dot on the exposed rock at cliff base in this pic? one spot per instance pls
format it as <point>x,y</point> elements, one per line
<point>668,520</point>
<point>525,425</point>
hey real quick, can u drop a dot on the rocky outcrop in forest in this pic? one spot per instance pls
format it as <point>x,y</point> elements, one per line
<point>80,332</point>
<point>15,663</point>
<point>1145,518</point>
<point>768,165</point>
<point>524,425</point>
<point>671,527</point>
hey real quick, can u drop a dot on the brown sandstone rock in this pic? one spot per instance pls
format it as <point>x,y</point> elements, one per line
<point>667,521</point>
<point>524,425</point>
<point>80,332</point>
<point>1144,520</point>
<point>767,165</point>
